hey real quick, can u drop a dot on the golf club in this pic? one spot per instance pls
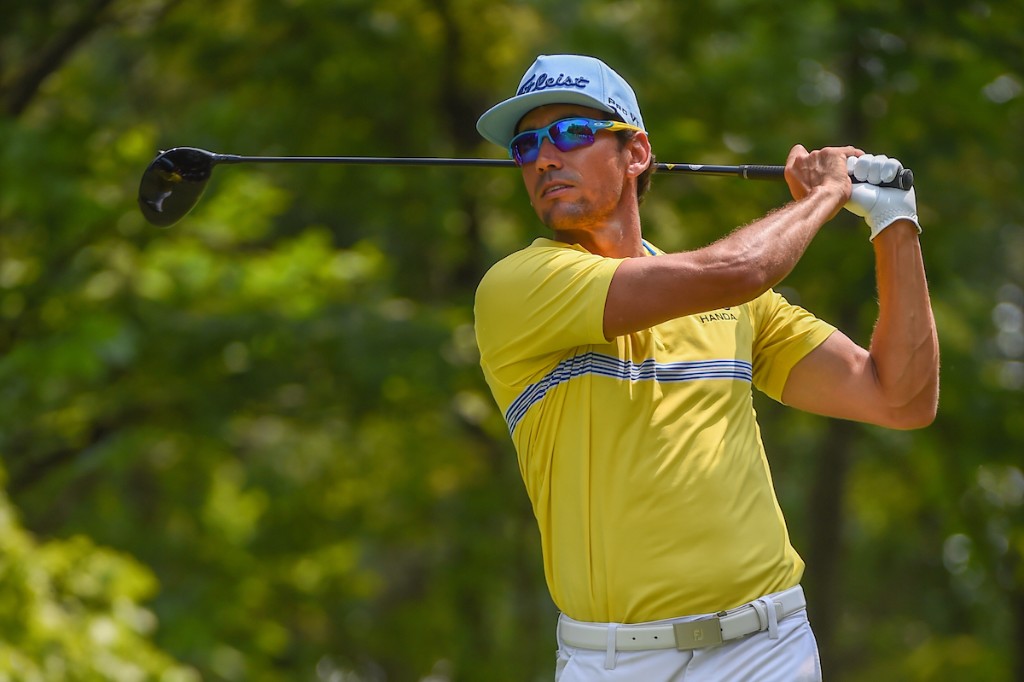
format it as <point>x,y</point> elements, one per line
<point>175,180</point>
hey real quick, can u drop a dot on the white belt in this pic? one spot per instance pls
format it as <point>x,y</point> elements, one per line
<point>693,634</point>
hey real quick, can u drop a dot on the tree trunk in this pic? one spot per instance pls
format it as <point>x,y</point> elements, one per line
<point>50,58</point>
<point>823,577</point>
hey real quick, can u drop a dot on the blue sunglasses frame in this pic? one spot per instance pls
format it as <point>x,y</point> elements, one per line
<point>565,134</point>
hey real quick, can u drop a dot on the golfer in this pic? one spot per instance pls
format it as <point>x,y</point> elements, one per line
<point>625,375</point>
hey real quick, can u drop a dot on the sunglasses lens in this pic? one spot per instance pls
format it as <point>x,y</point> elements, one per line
<point>572,134</point>
<point>525,147</point>
<point>566,135</point>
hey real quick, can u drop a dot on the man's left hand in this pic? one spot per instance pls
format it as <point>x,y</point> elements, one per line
<point>879,206</point>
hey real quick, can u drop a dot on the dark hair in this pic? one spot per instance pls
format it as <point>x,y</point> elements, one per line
<point>643,181</point>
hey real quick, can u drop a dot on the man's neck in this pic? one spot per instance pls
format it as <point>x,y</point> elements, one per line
<point>611,241</point>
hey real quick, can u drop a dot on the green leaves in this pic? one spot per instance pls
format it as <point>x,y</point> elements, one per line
<point>257,445</point>
<point>71,610</point>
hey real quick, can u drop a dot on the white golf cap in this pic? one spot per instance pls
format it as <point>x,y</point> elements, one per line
<point>562,79</point>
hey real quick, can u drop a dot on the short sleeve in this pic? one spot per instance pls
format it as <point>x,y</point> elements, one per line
<point>783,335</point>
<point>540,301</point>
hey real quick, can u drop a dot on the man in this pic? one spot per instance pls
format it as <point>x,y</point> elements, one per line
<point>625,377</point>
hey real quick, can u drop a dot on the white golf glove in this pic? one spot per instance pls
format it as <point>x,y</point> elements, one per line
<point>879,206</point>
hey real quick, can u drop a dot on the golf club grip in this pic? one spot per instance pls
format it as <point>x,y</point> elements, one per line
<point>904,179</point>
<point>760,172</point>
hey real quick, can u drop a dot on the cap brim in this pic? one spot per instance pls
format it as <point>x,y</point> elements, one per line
<point>498,124</point>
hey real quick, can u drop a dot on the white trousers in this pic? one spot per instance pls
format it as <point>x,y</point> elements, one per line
<point>792,657</point>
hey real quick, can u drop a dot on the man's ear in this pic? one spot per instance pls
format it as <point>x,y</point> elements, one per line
<point>639,149</point>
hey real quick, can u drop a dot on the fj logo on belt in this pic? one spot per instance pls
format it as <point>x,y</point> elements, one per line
<point>698,633</point>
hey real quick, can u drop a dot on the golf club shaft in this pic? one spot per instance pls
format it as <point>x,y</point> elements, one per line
<point>362,160</point>
<point>754,171</point>
<point>747,171</point>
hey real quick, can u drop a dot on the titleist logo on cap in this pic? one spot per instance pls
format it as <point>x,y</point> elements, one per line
<point>543,82</point>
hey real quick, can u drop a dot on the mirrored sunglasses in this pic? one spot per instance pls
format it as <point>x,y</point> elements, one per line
<point>566,134</point>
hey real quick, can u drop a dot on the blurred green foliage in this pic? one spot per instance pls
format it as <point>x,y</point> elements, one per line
<point>257,446</point>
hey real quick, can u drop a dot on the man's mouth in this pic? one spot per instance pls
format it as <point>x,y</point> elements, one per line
<point>554,189</point>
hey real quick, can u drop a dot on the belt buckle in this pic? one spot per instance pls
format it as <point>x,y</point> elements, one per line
<point>696,634</point>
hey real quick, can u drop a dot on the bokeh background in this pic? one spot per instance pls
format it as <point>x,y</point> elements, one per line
<point>258,446</point>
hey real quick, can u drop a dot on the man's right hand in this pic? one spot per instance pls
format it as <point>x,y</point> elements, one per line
<point>806,171</point>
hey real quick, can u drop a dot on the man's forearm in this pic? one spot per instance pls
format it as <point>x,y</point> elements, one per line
<point>733,270</point>
<point>904,346</point>
<point>772,246</point>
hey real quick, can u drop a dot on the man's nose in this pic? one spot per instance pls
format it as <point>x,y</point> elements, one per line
<point>548,156</point>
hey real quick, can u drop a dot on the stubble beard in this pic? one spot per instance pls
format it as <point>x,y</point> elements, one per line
<point>585,212</point>
<point>562,216</point>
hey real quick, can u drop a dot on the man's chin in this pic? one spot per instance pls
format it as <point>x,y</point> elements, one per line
<point>561,217</point>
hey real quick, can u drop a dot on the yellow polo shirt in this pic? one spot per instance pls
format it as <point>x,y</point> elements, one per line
<point>641,455</point>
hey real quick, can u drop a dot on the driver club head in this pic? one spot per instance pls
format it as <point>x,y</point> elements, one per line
<point>173,183</point>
